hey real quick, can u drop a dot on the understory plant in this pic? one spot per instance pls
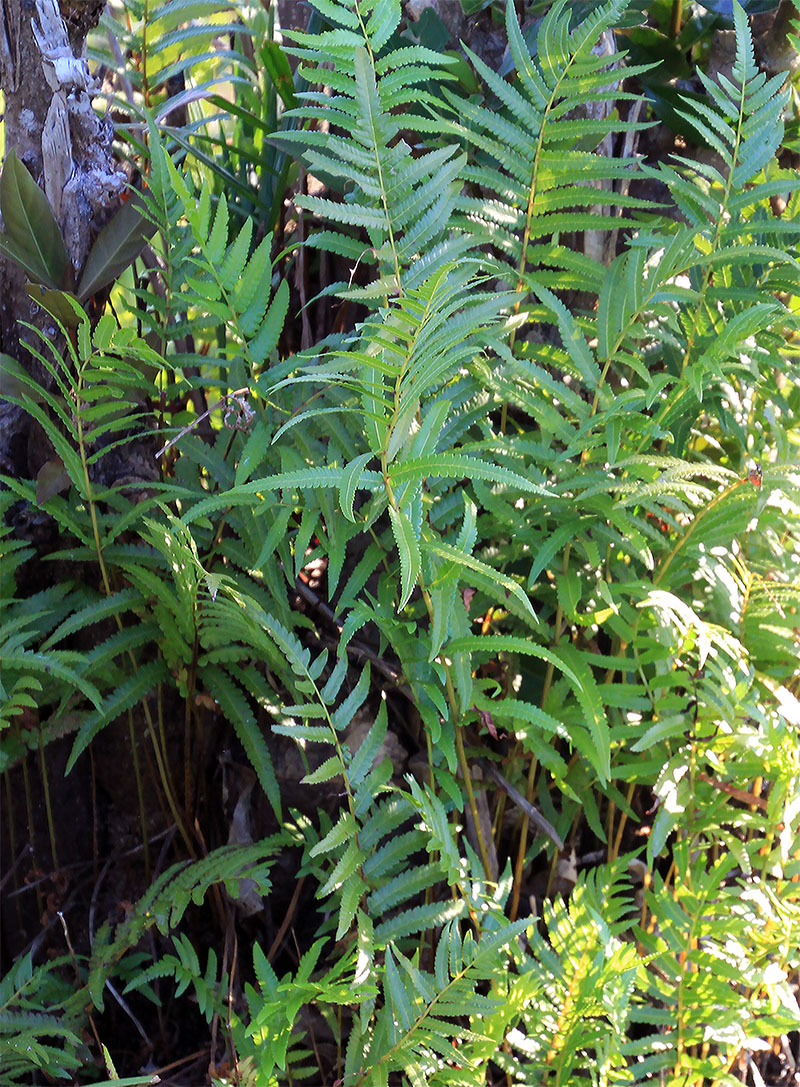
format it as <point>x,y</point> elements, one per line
<point>507,559</point>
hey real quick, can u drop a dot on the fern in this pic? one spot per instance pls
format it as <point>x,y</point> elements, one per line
<point>269,1043</point>
<point>422,1011</point>
<point>579,986</point>
<point>227,282</point>
<point>706,975</point>
<point>40,1023</point>
<point>527,152</point>
<point>367,870</point>
<point>168,898</point>
<point>185,968</point>
<point>524,477</point>
<point>403,201</point>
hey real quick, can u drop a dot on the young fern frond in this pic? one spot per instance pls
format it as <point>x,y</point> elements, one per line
<point>578,986</point>
<point>271,1040</point>
<point>209,987</point>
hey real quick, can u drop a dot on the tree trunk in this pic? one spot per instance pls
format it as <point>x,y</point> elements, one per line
<point>50,123</point>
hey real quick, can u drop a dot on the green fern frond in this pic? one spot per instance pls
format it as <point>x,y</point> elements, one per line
<point>40,1023</point>
<point>527,154</point>
<point>402,200</point>
<point>168,898</point>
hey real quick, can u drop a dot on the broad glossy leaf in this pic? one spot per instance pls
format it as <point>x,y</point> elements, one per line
<point>116,247</point>
<point>56,303</point>
<point>32,237</point>
<point>277,66</point>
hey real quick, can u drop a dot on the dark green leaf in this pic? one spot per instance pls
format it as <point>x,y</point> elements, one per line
<point>116,247</point>
<point>32,237</point>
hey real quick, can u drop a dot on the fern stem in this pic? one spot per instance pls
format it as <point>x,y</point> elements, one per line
<point>460,752</point>
<point>497,822</point>
<point>188,713</point>
<point>526,237</point>
<point>158,738</point>
<point>473,807</point>
<point>561,1032</point>
<point>428,934</point>
<point>26,784</point>
<point>351,807</point>
<point>368,1077</point>
<point>612,807</point>
<point>522,848</point>
<point>665,565</point>
<point>533,188</point>
<point>143,56</point>
<point>647,883</point>
<point>408,355</point>
<point>275,946</point>
<point>79,980</point>
<point>451,698</point>
<point>163,774</point>
<point>90,501</point>
<point>675,19</point>
<point>532,194</point>
<point>379,166</point>
<point>623,819</point>
<point>137,773</point>
<point>699,904</point>
<point>48,805</point>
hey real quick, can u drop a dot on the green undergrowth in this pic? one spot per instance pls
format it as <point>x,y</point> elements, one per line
<point>547,468</point>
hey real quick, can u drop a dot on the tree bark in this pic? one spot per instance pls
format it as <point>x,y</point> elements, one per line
<point>50,123</point>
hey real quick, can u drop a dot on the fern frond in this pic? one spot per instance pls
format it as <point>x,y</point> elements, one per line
<point>527,154</point>
<point>402,200</point>
<point>40,1023</point>
<point>169,896</point>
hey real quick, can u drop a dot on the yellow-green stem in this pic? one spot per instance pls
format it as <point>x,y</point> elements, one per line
<point>460,752</point>
<point>473,807</point>
<point>47,805</point>
<point>158,740</point>
<point>623,819</point>
<point>107,588</point>
<point>675,19</point>
<point>519,866</point>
